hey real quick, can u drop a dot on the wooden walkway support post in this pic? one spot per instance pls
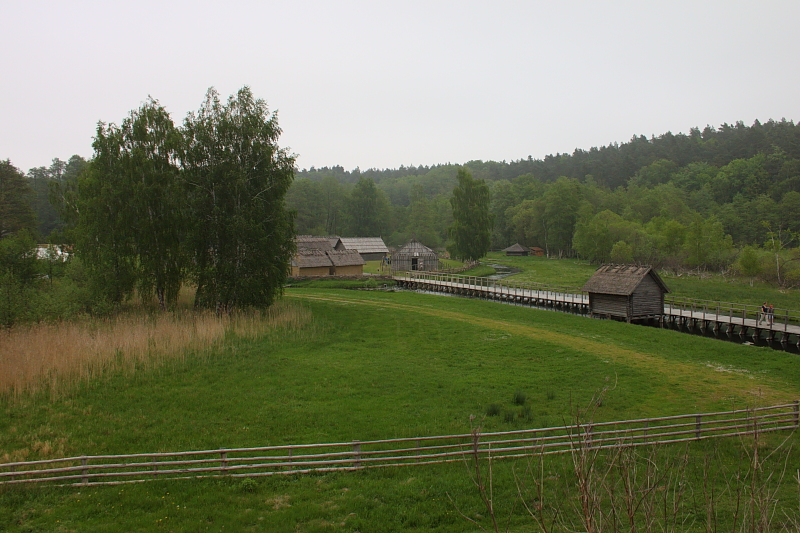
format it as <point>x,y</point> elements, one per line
<point>223,461</point>
<point>85,471</point>
<point>796,413</point>
<point>357,454</point>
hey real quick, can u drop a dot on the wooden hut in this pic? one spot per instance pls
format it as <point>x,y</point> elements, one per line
<point>370,248</point>
<point>414,256</point>
<point>346,263</point>
<point>517,250</point>
<point>626,291</point>
<point>538,252</point>
<point>311,262</point>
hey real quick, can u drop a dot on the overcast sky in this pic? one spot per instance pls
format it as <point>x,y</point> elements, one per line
<point>378,84</point>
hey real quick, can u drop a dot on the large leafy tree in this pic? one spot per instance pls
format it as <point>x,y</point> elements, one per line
<point>237,177</point>
<point>130,212</point>
<point>472,221</point>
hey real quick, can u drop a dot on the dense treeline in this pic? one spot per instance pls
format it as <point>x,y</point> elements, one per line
<point>709,199</point>
<point>724,199</point>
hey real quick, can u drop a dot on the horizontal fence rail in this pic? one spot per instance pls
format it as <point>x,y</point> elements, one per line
<point>497,287</point>
<point>356,455</point>
<point>784,320</point>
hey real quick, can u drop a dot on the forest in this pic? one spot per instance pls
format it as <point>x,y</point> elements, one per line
<point>715,199</point>
<point>723,199</point>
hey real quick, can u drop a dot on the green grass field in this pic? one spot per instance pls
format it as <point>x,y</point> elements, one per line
<point>371,365</point>
<point>709,286</point>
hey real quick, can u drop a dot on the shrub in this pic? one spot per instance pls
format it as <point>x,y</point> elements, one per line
<point>493,410</point>
<point>519,398</point>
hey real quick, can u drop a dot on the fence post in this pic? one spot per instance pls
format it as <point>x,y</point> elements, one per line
<point>796,413</point>
<point>697,427</point>
<point>223,461</point>
<point>357,454</point>
<point>84,472</point>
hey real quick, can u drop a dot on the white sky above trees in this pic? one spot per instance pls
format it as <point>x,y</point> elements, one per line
<point>383,84</point>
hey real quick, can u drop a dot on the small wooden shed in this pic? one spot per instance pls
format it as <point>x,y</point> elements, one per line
<point>370,248</point>
<point>414,256</point>
<point>517,250</point>
<point>626,291</point>
<point>346,263</point>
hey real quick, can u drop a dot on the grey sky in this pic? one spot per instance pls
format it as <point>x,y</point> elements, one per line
<point>384,84</point>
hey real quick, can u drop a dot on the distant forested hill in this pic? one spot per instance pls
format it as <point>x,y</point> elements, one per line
<point>695,200</point>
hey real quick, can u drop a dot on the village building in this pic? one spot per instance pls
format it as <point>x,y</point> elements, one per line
<point>311,262</point>
<point>324,256</point>
<point>370,248</point>
<point>414,256</point>
<point>538,252</point>
<point>629,292</point>
<point>517,250</point>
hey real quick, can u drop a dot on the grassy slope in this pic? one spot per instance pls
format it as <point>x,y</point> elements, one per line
<point>575,272</point>
<point>373,365</point>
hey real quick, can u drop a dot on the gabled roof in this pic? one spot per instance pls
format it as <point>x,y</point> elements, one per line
<point>414,248</point>
<point>517,248</point>
<point>310,242</point>
<point>341,258</point>
<point>621,279</point>
<point>310,258</point>
<point>365,245</point>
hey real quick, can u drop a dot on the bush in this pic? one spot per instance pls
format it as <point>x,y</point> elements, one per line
<point>493,410</point>
<point>519,398</point>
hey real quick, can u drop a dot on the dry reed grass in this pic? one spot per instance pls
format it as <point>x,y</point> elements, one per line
<point>56,357</point>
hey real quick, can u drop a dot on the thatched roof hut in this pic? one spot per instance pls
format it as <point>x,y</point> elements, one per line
<point>517,250</point>
<point>626,291</point>
<point>414,256</point>
<point>313,262</point>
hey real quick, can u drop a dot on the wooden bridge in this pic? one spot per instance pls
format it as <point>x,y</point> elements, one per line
<point>720,318</point>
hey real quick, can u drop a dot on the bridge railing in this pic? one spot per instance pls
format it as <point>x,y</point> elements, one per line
<point>509,287</point>
<point>782,319</point>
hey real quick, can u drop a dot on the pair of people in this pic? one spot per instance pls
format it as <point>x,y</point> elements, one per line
<point>767,314</point>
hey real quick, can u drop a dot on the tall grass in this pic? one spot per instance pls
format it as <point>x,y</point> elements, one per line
<point>56,357</point>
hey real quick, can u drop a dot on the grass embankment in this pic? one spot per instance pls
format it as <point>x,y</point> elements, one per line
<point>703,286</point>
<point>371,365</point>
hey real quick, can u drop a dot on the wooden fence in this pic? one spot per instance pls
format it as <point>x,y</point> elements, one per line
<point>496,286</point>
<point>727,312</point>
<point>295,459</point>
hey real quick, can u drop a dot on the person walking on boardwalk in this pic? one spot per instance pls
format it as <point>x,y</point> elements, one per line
<point>764,311</point>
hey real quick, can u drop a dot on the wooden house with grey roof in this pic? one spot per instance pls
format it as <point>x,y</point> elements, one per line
<point>629,292</point>
<point>517,250</point>
<point>414,256</point>
<point>311,242</point>
<point>370,248</point>
<point>317,256</point>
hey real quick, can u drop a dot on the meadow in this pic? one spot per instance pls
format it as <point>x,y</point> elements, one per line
<point>335,365</point>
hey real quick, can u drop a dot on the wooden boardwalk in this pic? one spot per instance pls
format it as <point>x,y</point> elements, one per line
<point>731,319</point>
